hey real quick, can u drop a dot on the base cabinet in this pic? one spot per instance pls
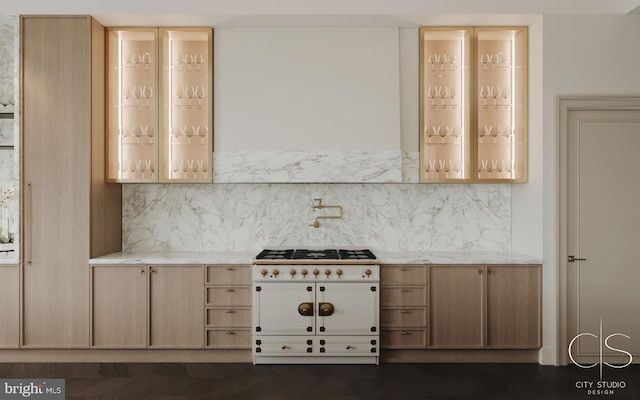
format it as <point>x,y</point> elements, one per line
<point>456,306</point>
<point>403,313</point>
<point>228,307</point>
<point>479,306</point>
<point>159,306</point>
<point>10,306</point>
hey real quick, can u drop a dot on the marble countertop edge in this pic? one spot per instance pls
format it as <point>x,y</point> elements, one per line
<point>245,258</point>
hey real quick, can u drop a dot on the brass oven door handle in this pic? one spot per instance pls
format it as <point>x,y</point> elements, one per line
<point>325,309</point>
<point>305,309</point>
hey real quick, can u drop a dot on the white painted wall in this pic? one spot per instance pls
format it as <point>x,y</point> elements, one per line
<point>306,89</point>
<point>582,55</point>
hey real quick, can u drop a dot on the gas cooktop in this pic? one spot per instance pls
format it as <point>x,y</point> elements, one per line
<point>316,256</point>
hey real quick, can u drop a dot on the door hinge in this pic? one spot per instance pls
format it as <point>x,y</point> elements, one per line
<point>574,259</point>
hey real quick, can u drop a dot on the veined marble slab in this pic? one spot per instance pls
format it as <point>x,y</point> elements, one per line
<point>175,258</point>
<point>245,258</point>
<point>248,217</point>
<point>290,166</point>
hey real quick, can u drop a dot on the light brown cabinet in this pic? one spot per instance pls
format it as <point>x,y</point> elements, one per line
<point>158,306</point>
<point>119,306</point>
<point>10,306</point>
<point>70,214</point>
<point>159,115</point>
<point>228,307</point>
<point>403,301</point>
<point>473,104</point>
<point>476,306</point>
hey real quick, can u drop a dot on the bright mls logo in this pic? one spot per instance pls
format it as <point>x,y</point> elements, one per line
<point>49,389</point>
<point>601,387</point>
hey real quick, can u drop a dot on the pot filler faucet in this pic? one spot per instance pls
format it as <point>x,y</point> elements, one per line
<point>317,205</point>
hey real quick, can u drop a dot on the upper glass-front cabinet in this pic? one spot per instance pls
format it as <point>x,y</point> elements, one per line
<point>159,116</point>
<point>473,102</point>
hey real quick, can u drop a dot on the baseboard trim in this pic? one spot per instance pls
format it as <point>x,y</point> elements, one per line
<point>244,356</point>
<point>126,356</point>
<point>459,356</point>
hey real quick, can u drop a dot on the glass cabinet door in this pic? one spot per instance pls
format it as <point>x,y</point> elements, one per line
<point>473,104</point>
<point>445,104</point>
<point>501,87</point>
<point>186,117</point>
<point>132,111</point>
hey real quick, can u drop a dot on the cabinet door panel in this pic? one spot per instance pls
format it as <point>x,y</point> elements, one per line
<point>10,307</point>
<point>56,140</point>
<point>513,306</point>
<point>176,306</point>
<point>119,306</point>
<point>456,306</point>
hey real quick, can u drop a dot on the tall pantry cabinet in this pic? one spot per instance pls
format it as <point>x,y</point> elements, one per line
<point>69,212</point>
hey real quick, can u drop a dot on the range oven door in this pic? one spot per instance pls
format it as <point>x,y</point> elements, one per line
<point>283,308</point>
<point>345,308</point>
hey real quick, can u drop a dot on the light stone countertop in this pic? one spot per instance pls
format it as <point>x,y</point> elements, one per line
<point>8,260</point>
<point>234,257</point>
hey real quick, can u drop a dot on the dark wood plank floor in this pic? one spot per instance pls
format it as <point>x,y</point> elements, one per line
<point>177,381</point>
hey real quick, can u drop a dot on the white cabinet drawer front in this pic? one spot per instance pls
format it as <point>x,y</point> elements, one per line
<point>229,338</point>
<point>345,345</point>
<point>229,296</point>
<point>229,317</point>
<point>404,339</point>
<point>403,317</point>
<point>284,345</point>
<point>228,274</point>
<point>403,296</point>
<point>399,274</point>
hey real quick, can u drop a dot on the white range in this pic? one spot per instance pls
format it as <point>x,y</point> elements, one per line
<point>316,306</point>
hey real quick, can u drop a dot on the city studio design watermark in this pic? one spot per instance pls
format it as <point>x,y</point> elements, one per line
<point>601,387</point>
<point>43,389</point>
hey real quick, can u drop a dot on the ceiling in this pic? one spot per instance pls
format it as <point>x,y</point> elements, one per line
<point>231,13</point>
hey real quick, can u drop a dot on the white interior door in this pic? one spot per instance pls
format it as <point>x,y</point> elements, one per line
<point>603,228</point>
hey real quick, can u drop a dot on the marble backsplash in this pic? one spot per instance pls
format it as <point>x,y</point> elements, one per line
<point>247,217</point>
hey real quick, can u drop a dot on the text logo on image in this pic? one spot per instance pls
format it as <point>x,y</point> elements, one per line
<point>43,389</point>
<point>601,387</point>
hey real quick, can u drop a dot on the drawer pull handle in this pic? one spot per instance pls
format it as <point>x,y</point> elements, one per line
<point>404,311</point>
<point>228,269</point>
<point>405,333</point>
<point>229,290</point>
<point>284,347</point>
<point>404,290</point>
<point>349,347</point>
<point>404,269</point>
<point>229,311</point>
<point>229,333</point>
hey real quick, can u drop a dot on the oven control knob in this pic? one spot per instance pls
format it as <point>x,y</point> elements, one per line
<point>292,272</point>
<point>304,272</point>
<point>316,272</point>
<point>339,272</point>
<point>264,272</point>
<point>367,272</point>
<point>276,272</point>
<point>327,272</point>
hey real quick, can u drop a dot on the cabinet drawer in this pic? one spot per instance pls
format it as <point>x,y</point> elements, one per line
<point>401,317</point>
<point>403,339</point>
<point>403,296</point>
<point>229,296</point>
<point>228,274</point>
<point>228,339</point>
<point>229,317</point>
<point>398,274</point>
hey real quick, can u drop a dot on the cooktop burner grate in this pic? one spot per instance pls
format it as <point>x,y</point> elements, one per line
<point>316,254</point>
